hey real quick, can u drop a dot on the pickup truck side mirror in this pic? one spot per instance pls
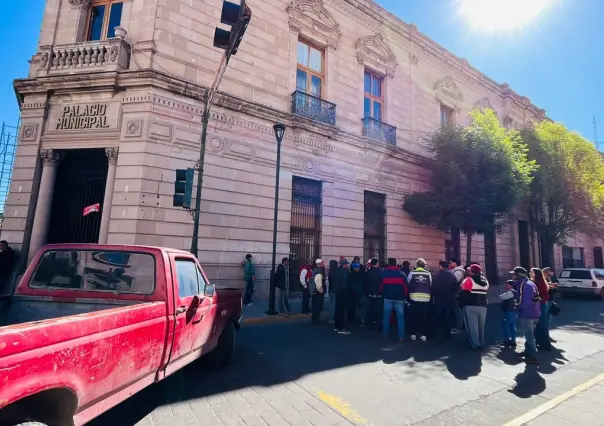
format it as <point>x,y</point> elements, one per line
<point>209,290</point>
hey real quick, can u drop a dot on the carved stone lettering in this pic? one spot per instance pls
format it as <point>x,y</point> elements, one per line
<point>81,117</point>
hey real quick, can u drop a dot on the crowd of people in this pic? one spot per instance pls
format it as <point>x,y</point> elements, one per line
<point>424,305</point>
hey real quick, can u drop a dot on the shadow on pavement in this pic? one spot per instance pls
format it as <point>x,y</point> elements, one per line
<point>274,354</point>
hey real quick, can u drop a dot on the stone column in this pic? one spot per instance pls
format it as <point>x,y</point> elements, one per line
<point>50,161</point>
<point>111,154</point>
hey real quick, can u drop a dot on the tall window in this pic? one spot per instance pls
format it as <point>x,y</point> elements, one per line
<point>446,115</point>
<point>103,17</point>
<point>310,73</point>
<point>374,98</point>
<point>374,238</point>
<point>572,257</point>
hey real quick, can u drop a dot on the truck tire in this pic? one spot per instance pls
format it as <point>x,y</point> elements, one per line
<point>28,424</point>
<point>222,354</point>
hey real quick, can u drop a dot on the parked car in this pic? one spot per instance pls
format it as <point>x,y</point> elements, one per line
<point>582,280</point>
<point>90,325</point>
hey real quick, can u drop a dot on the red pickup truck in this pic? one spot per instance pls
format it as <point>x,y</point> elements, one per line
<point>90,325</point>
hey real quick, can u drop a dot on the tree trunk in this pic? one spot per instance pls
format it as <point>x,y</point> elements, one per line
<point>468,247</point>
<point>547,251</point>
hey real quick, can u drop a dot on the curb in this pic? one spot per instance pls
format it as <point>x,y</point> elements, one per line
<point>276,319</point>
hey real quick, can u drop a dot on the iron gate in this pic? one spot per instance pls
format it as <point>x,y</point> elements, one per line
<point>80,182</point>
<point>305,230</point>
<point>374,244</point>
<point>490,254</point>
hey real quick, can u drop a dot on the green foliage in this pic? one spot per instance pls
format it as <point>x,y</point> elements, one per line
<point>567,193</point>
<point>479,173</point>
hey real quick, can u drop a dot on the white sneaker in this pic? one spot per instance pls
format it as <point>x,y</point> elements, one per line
<point>343,332</point>
<point>413,337</point>
<point>423,338</point>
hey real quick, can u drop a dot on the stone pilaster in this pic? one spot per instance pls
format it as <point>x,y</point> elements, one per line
<point>112,154</point>
<point>50,161</point>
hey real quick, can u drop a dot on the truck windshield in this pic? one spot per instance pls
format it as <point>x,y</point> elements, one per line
<point>90,270</point>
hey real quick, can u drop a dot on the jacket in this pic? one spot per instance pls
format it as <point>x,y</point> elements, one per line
<point>459,273</point>
<point>373,281</point>
<point>527,299</point>
<point>248,270</point>
<point>474,290</point>
<point>420,285</point>
<point>543,290</point>
<point>305,274</point>
<point>339,280</point>
<point>355,280</point>
<point>508,300</point>
<point>394,284</point>
<point>444,288</point>
<point>317,283</point>
<point>281,277</point>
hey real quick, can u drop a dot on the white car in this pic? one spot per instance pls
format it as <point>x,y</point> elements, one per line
<point>582,280</point>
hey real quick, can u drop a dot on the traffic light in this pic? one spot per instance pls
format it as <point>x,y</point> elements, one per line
<point>237,16</point>
<point>183,188</point>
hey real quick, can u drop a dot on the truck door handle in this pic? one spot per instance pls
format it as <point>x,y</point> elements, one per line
<point>181,310</point>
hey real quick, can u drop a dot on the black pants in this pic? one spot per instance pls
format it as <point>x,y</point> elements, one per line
<point>353,301</point>
<point>373,312</point>
<point>305,301</point>
<point>317,307</point>
<point>249,290</point>
<point>419,314</point>
<point>443,320</point>
<point>340,310</point>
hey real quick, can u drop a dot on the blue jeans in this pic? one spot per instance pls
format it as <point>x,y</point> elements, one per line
<point>528,326</point>
<point>249,290</point>
<point>542,329</point>
<point>509,326</point>
<point>399,308</point>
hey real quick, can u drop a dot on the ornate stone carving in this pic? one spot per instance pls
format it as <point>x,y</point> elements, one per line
<point>373,50</point>
<point>44,59</point>
<point>112,154</point>
<point>448,93</point>
<point>485,103</point>
<point>310,17</point>
<point>29,132</point>
<point>50,157</point>
<point>80,3</point>
<point>508,121</point>
<point>133,128</point>
<point>413,58</point>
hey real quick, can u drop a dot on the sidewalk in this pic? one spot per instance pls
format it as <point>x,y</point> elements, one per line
<point>255,314</point>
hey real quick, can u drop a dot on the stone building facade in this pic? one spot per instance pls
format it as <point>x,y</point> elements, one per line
<point>109,113</point>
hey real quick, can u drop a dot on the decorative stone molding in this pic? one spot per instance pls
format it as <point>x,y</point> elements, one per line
<point>134,128</point>
<point>112,154</point>
<point>413,58</point>
<point>310,17</point>
<point>508,121</point>
<point>485,103</point>
<point>447,93</point>
<point>50,157</point>
<point>80,3</point>
<point>373,50</point>
<point>29,132</point>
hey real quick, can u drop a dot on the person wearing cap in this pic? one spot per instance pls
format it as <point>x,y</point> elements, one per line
<point>317,286</point>
<point>529,310</point>
<point>420,289</point>
<point>340,288</point>
<point>473,298</point>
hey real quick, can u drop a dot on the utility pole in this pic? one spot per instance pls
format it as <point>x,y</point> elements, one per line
<point>238,16</point>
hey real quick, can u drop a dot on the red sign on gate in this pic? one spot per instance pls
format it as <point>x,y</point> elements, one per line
<point>95,208</point>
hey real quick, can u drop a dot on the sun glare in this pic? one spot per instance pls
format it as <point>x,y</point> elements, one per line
<point>501,15</point>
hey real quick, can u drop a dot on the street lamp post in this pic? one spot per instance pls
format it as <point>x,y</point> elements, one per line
<point>279,132</point>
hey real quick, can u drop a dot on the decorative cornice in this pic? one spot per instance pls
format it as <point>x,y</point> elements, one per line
<point>311,18</point>
<point>447,92</point>
<point>373,50</point>
<point>84,4</point>
<point>50,157</point>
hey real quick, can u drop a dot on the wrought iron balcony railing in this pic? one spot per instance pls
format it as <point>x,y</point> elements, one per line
<point>379,131</point>
<point>105,55</point>
<point>310,106</point>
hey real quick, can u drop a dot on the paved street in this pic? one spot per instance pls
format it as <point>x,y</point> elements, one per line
<point>293,373</point>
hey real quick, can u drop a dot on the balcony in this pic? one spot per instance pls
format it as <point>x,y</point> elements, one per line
<point>89,56</point>
<point>379,131</point>
<point>310,106</point>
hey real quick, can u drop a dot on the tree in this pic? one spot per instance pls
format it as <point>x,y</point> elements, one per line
<point>567,193</point>
<point>479,173</point>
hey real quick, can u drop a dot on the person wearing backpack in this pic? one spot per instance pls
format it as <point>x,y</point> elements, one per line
<point>305,276</point>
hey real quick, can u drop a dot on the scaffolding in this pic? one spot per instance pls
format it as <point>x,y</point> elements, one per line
<point>8,148</point>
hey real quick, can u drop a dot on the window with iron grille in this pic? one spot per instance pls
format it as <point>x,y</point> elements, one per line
<point>374,244</point>
<point>572,257</point>
<point>305,228</point>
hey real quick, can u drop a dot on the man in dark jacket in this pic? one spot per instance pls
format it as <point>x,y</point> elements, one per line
<point>444,296</point>
<point>355,287</point>
<point>282,285</point>
<point>317,287</point>
<point>373,282</point>
<point>394,290</point>
<point>7,263</point>
<point>340,288</point>
<point>473,299</point>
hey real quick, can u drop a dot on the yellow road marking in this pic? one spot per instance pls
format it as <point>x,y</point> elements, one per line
<point>552,403</point>
<point>341,407</point>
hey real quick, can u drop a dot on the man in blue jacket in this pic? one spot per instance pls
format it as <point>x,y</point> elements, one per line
<point>529,310</point>
<point>394,291</point>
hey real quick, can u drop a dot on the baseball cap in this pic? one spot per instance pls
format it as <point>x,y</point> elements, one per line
<point>343,261</point>
<point>319,261</point>
<point>475,269</point>
<point>519,270</point>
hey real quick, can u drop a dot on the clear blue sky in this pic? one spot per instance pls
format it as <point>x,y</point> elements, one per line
<point>558,61</point>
